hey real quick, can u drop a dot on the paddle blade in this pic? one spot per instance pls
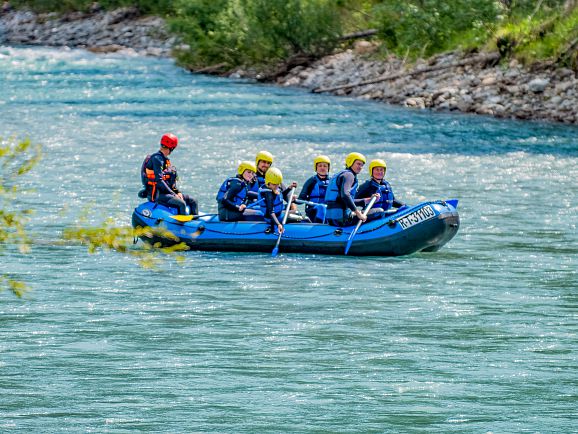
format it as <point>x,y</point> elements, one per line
<point>275,251</point>
<point>182,218</point>
<point>348,245</point>
<point>453,202</point>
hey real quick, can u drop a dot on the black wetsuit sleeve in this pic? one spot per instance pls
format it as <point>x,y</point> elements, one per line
<point>269,203</point>
<point>365,190</point>
<point>285,192</point>
<point>235,187</point>
<point>158,163</point>
<point>307,189</point>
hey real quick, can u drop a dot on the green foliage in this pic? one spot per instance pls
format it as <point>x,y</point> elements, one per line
<point>425,27</point>
<point>264,33</point>
<point>16,159</point>
<point>109,237</point>
<point>548,34</point>
<point>255,32</point>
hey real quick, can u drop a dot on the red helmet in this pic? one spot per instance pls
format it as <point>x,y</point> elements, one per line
<point>170,141</point>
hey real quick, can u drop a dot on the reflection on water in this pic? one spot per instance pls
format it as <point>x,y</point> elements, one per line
<point>243,342</point>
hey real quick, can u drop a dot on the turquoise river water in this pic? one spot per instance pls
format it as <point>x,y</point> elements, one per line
<point>478,337</point>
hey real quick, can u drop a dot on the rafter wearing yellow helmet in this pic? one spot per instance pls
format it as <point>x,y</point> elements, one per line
<point>233,196</point>
<point>314,189</point>
<point>263,161</point>
<point>342,207</point>
<point>271,199</point>
<point>378,185</point>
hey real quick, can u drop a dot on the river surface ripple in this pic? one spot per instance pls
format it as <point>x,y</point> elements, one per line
<point>479,337</point>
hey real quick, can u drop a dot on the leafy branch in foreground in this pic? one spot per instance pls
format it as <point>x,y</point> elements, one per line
<point>121,239</point>
<point>16,159</point>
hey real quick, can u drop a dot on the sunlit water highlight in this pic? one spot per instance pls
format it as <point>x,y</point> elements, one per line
<point>479,337</point>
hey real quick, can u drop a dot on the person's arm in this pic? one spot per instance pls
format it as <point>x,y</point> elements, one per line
<point>307,188</point>
<point>269,197</point>
<point>235,187</point>
<point>162,186</point>
<point>364,190</point>
<point>345,191</point>
<point>252,195</point>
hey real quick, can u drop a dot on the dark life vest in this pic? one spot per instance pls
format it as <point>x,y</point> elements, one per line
<point>147,176</point>
<point>239,197</point>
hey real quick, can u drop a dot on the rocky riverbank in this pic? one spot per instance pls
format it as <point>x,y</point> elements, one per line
<point>98,30</point>
<point>451,82</point>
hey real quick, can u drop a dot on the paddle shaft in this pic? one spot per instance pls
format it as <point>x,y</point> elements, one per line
<point>284,220</point>
<point>307,202</point>
<point>365,211</point>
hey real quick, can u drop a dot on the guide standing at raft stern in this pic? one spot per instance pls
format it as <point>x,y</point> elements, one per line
<point>159,178</point>
<point>341,206</point>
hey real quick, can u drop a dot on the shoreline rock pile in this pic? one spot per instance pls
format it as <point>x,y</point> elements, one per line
<point>98,31</point>
<point>539,92</point>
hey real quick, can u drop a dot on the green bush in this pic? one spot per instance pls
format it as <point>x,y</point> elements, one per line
<point>425,27</point>
<point>255,32</point>
<point>16,159</point>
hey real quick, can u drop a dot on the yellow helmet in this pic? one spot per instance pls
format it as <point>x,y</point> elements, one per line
<point>350,159</point>
<point>377,163</point>
<point>246,165</point>
<point>273,176</point>
<point>263,156</point>
<point>321,159</point>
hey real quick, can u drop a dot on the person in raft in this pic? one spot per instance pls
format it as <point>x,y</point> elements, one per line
<point>271,200</point>
<point>377,184</point>
<point>159,179</point>
<point>233,195</point>
<point>263,161</point>
<point>315,188</point>
<point>341,206</point>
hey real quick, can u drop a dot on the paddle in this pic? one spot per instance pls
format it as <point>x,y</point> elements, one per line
<point>321,208</point>
<point>188,218</point>
<point>276,248</point>
<point>307,202</point>
<point>365,211</point>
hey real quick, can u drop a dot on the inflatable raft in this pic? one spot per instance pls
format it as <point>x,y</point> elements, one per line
<point>422,228</point>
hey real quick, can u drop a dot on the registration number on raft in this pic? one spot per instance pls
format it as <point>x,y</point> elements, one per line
<point>421,215</point>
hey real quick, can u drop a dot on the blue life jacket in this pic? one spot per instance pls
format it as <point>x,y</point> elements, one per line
<point>385,201</point>
<point>332,194</point>
<point>239,197</point>
<point>259,182</point>
<point>277,205</point>
<point>319,190</point>
<point>336,208</point>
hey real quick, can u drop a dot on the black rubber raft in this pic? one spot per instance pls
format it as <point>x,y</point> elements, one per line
<point>421,228</point>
